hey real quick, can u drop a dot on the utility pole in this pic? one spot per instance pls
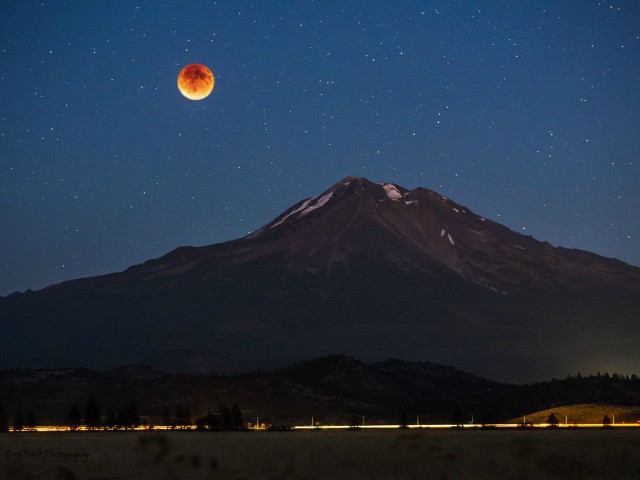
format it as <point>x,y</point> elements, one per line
<point>418,420</point>
<point>363,420</point>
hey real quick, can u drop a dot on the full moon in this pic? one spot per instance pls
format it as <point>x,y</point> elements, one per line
<point>195,81</point>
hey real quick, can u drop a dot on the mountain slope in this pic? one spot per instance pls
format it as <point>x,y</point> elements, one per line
<point>363,269</point>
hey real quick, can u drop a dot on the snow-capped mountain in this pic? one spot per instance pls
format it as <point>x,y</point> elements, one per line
<point>372,270</point>
<point>357,224</point>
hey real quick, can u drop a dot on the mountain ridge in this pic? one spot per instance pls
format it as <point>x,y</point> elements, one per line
<point>334,389</point>
<point>470,267</point>
<point>414,233</point>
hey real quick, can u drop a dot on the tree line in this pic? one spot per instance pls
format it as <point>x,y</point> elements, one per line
<point>223,419</point>
<point>127,417</point>
<point>124,418</point>
<point>19,423</point>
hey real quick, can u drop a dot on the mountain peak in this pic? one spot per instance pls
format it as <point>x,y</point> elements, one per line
<point>346,188</point>
<point>422,232</point>
<point>361,185</point>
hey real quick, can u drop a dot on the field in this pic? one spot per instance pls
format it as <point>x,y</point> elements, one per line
<point>479,454</point>
<point>586,413</point>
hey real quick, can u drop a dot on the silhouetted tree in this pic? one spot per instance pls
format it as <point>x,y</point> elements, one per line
<point>121,418</point>
<point>73,417</point>
<point>92,414</point>
<point>181,416</point>
<point>236,418</point>
<point>403,420</point>
<point>3,419</point>
<point>225,416</point>
<point>552,420</point>
<point>488,418</point>
<point>355,422</point>
<point>208,422</point>
<point>31,420</point>
<point>128,416</point>
<point>110,418</point>
<point>166,416</point>
<point>456,417</point>
<point>17,422</point>
<point>606,421</point>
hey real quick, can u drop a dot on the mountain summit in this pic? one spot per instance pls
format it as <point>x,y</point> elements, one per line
<point>358,224</point>
<point>366,269</point>
<point>425,233</point>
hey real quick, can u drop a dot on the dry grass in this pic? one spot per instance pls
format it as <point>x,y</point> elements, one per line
<point>544,454</point>
<point>586,413</point>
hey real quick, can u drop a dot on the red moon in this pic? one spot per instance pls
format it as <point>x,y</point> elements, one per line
<point>195,81</point>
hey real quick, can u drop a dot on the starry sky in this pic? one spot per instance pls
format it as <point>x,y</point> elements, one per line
<point>526,112</point>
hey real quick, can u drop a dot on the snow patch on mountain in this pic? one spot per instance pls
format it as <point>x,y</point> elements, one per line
<point>392,192</point>
<point>307,207</point>
<point>301,207</point>
<point>318,204</point>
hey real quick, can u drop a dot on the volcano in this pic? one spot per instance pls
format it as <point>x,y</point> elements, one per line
<point>365,269</point>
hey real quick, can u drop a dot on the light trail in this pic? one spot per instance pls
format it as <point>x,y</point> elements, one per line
<point>497,426</point>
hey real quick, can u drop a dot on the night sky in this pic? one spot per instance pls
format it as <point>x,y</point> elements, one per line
<point>528,113</point>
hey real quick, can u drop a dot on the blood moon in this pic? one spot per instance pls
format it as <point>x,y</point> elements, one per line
<point>195,81</point>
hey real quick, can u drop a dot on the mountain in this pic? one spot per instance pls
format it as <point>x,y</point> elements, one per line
<point>365,269</point>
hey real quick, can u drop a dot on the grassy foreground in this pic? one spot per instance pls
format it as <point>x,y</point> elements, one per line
<point>544,454</point>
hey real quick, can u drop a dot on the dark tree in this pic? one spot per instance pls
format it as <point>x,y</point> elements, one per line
<point>121,418</point>
<point>225,416</point>
<point>355,422</point>
<point>73,417</point>
<point>236,418</point>
<point>166,416</point>
<point>3,420</point>
<point>92,414</point>
<point>110,420</point>
<point>606,421</point>
<point>18,424</point>
<point>456,417</point>
<point>552,420</point>
<point>488,418</point>
<point>403,420</point>
<point>128,417</point>
<point>31,420</point>
<point>208,422</point>
<point>181,416</point>
<point>135,417</point>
